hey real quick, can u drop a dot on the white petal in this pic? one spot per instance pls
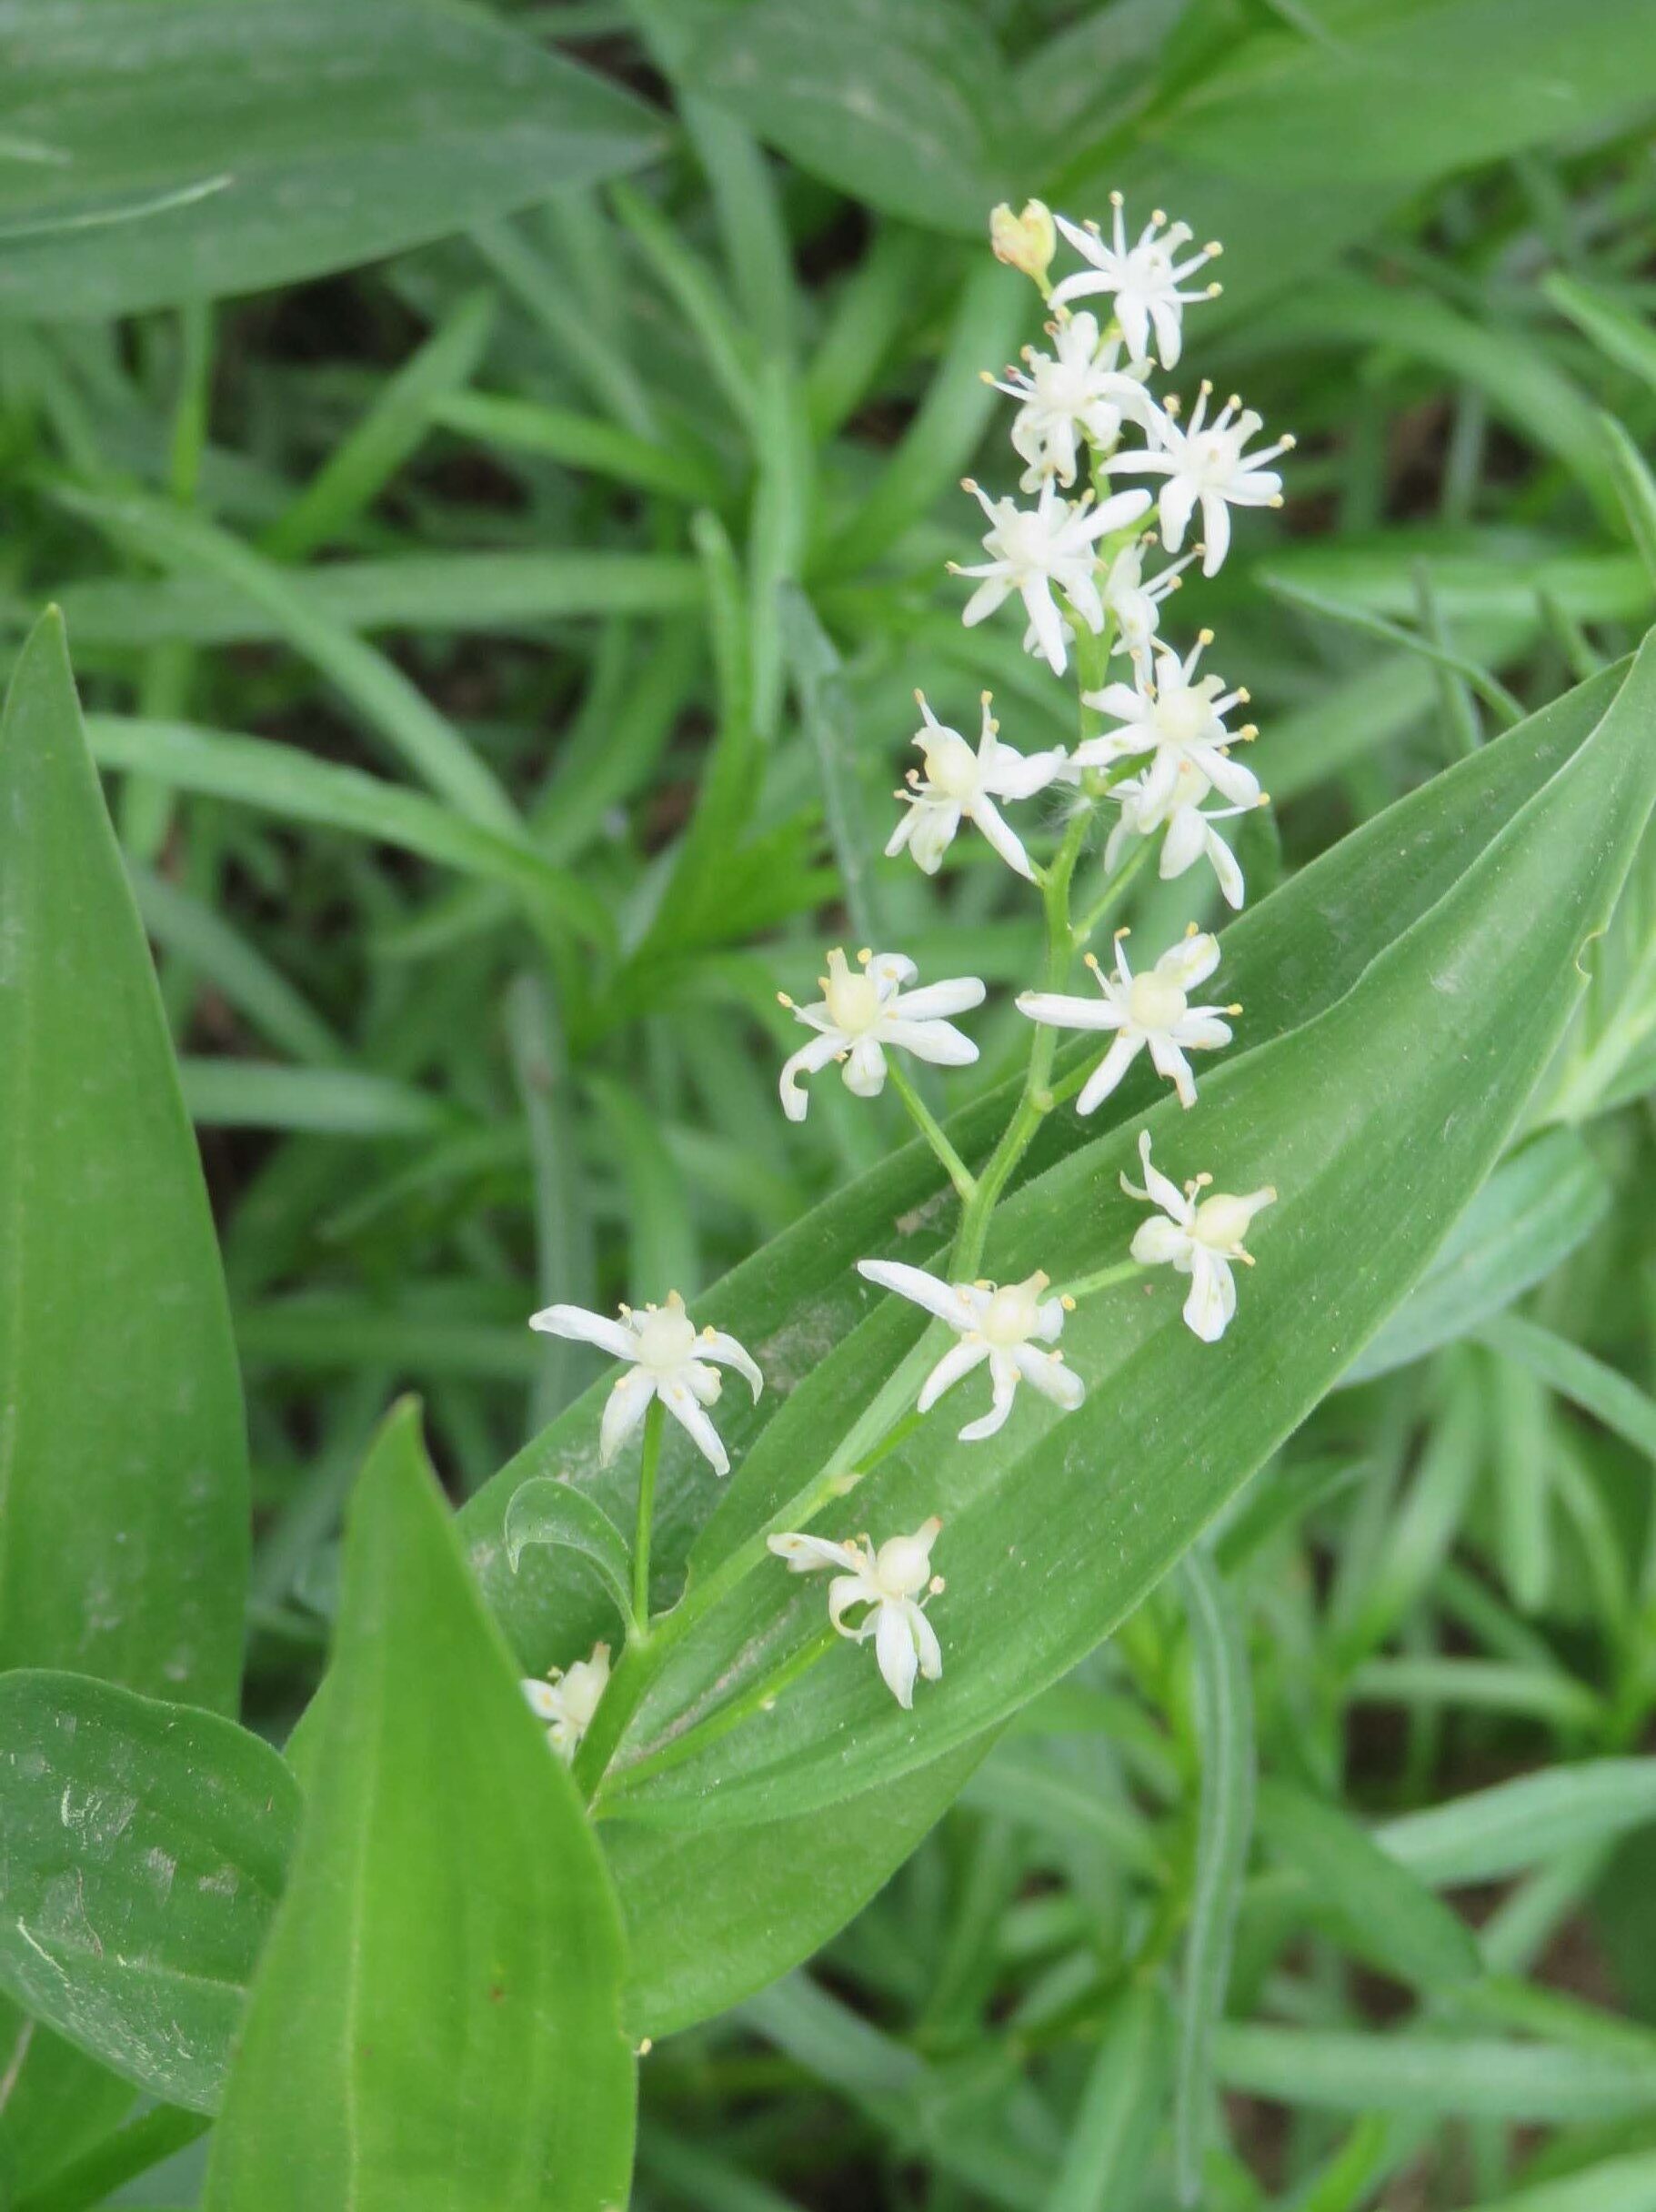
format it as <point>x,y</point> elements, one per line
<point>946,1300</point>
<point>937,1041</point>
<point>1159,1242</point>
<point>544,1701</point>
<point>624,1409</point>
<point>1050,1376</point>
<point>958,1361</point>
<point>1216,532</point>
<point>612,1336</point>
<point>847,1590</point>
<point>1015,775</point>
<point>681,1403</point>
<point>808,1555</point>
<point>714,1345</point>
<point>1183,844</point>
<point>1212,1299</point>
<point>1191,961</point>
<point>1172,1066</point>
<point>1175,506</point>
<point>1004,1388</point>
<point>1227,869</point>
<point>1240,785</point>
<point>1046,623</point>
<point>1161,1188</point>
<point>1109,1072</point>
<point>1059,1011</point>
<point>894,1647</point>
<point>806,1061</point>
<point>865,1073</point>
<point>937,999</point>
<point>926,1642</point>
<point>990,595</point>
<point>1003,837</point>
<point>1202,1033</point>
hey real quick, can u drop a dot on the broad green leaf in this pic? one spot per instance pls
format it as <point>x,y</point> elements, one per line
<point>436,2018</point>
<point>1531,1215</point>
<point>1386,1914</point>
<point>143,1848</point>
<point>1614,2185</point>
<point>1402,93</point>
<point>1412,1079</point>
<point>122,1462</point>
<point>1295,954</point>
<point>895,101</point>
<point>164,149</point>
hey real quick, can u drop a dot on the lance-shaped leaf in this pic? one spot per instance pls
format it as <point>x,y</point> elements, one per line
<point>144,1847</point>
<point>123,1464</point>
<point>1290,958</point>
<point>439,2000</point>
<point>545,1510</point>
<point>164,149</point>
<point>1375,1120</point>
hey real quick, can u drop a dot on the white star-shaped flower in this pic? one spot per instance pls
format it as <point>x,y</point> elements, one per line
<point>1188,832</point>
<point>1204,463</point>
<point>889,1583</point>
<point>1151,1008</point>
<point>568,1698</point>
<point>960,785</point>
<point>864,1011</point>
<point>1005,1324</point>
<point>669,1362</point>
<point>1034,550</point>
<point>1144,279</point>
<point>1074,395</point>
<point>1199,1238</point>
<point>1135,601</point>
<point>1177,717</point>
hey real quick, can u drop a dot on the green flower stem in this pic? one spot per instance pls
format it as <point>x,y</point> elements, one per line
<point>877,1430</point>
<point>647,1514</point>
<point>958,1174</point>
<point>1104,1279</point>
<point>1115,883</point>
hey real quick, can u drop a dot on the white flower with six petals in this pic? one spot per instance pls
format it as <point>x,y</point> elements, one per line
<point>1188,832</point>
<point>1144,279</point>
<point>1073,396</point>
<point>1034,550</point>
<point>1204,463</point>
<point>668,1361</point>
<point>889,1583</point>
<point>960,785</point>
<point>1149,1009</point>
<point>1199,1237</point>
<point>1005,1324</point>
<point>1177,718</point>
<point>860,1015</point>
<point>568,1698</point>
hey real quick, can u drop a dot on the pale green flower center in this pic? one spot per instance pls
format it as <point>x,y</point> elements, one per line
<point>1155,1002</point>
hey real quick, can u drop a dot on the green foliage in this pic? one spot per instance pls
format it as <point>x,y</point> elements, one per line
<point>436,2015</point>
<point>499,656</point>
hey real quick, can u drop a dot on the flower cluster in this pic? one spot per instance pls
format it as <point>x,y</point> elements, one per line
<point>1156,749</point>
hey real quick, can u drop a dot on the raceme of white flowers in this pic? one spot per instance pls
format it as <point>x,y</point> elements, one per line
<point>669,1360</point>
<point>1158,751</point>
<point>566,1699</point>
<point>889,1585</point>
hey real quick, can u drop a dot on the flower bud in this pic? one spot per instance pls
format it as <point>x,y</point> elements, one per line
<point>1026,241</point>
